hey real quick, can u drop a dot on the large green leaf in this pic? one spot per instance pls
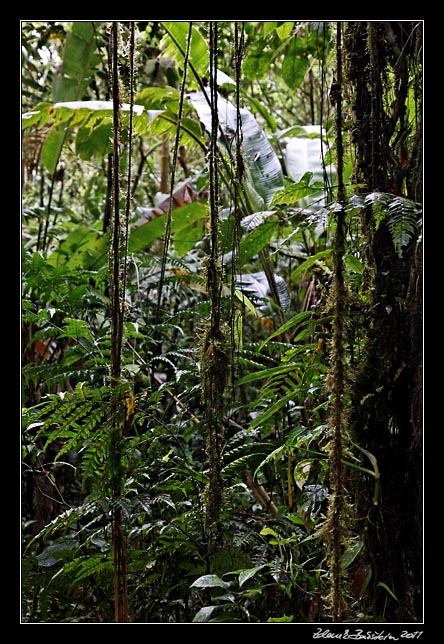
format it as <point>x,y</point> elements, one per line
<point>175,46</point>
<point>204,614</point>
<point>182,221</point>
<point>262,164</point>
<point>300,318</point>
<point>96,141</point>
<point>305,154</point>
<point>82,247</point>
<point>165,122</point>
<point>294,65</point>
<point>38,117</point>
<point>256,241</point>
<point>271,410</point>
<point>258,59</point>
<point>90,113</point>
<point>79,59</point>
<point>284,30</point>
<point>158,98</point>
<point>263,110</point>
<point>248,573</point>
<point>308,263</point>
<point>52,147</point>
<point>351,553</point>
<point>95,117</point>
<point>210,581</point>
<point>295,192</point>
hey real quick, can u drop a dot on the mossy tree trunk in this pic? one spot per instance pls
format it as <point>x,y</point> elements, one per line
<point>386,399</point>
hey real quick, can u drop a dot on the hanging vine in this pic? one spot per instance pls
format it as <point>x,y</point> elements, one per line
<point>236,315</point>
<point>215,350</point>
<point>167,238</point>
<point>118,271</point>
<point>338,507</point>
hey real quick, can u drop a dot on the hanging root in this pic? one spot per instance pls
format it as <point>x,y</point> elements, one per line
<point>215,368</point>
<point>336,525</point>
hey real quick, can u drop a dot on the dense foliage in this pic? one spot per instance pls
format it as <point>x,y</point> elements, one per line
<point>205,242</point>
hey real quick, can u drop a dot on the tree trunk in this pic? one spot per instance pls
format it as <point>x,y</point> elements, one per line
<point>386,393</point>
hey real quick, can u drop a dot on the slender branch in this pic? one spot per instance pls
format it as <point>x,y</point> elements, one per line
<point>173,176</point>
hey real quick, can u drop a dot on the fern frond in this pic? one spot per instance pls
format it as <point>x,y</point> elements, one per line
<point>248,362</point>
<point>381,198</point>
<point>255,347</point>
<point>64,521</point>
<point>250,459</point>
<point>401,215</point>
<point>272,456</point>
<point>283,292</point>
<point>402,222</point>
<point>250,222</point>
<point>57,374</point>
<point>280,370</point>
<point>76,421</point>
<point>86,566</point>
<point>182,354</point>
<point>271,410</point>
<point>95,453</point>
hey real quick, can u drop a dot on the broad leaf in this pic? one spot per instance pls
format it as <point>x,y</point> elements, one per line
<point>204,614</point>
<point>158,98</point>
<point>79,58</point>
<point>295,192</point>
<point>210,581</point>
<point>247,574</point>
<point>350,554</point>
<point>295,64</point>
<point>256,241</point>
<point>262,164</point>
<point>182,220</point>
<point>52,147</point>
<point>306,154</point>
<point>273,409</point>
<point>295,321</point>
<point>165,122</point>
<point>96,141</point>
<point>246,302</point>
<point>301,472</point>
<point>175,46</point>
<point>284,30</point>
<point>258,106</point>
<point>298,273</point>
<point>353,264</point>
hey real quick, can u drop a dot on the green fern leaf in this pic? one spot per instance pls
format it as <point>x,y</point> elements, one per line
<point>402,222</point>
<point>84,567</point>
<point>62,522</point>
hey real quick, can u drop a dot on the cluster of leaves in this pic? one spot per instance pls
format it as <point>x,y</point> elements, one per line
<point>276,434</point>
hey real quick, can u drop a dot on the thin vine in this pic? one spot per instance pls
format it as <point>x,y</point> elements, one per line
<point>337,512</point>
<point>118,268</point>
<point>215,350</point>
<point>173,174</point>
<point>239,44</point>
